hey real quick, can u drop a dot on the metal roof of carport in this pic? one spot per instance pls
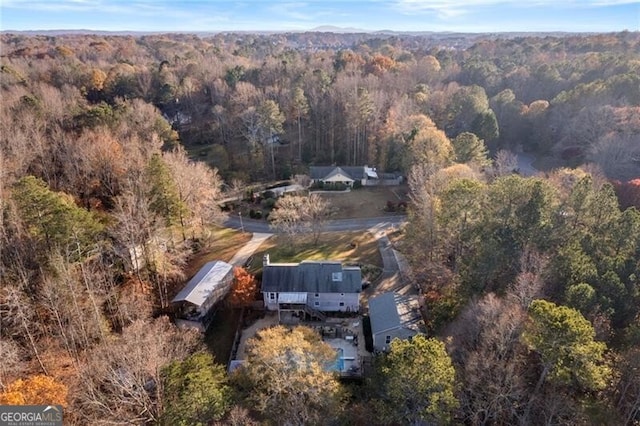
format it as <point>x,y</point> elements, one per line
<point>203,283</point>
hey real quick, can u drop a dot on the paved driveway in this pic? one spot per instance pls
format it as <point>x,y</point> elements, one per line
<point>241,257</point>
<point>394,269</point>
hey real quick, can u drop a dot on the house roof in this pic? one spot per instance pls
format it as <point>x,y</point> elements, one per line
<point>203,283</point>
<point>391,310</point>
<point>388,175</point>
<point>311,277</point>
<point>371,173</point>
<point>325,172</point>
<point>338,174</point>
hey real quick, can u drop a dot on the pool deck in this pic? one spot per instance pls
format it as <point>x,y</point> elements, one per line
<point>345,333</point>
<point>351,364</point>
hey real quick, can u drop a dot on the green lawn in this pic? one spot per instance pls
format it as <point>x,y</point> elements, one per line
<point>223,245</point>
<point>349,247</point>
<point>364,202</point>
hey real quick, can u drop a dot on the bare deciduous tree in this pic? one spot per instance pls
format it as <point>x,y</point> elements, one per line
<point>297,214</point>
<point>626,396</point>
<point>315,213</point>
<point>505,163</point>
<point>121,378</point>
<point>286,376</point>
<point>529,284</point>
<point>199,188</point>
<point>17,310</point>
<point>424,209</point>
<point>13,362</point>
<point>487,349</point>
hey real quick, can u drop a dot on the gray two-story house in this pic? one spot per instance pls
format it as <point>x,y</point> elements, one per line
<point>310,288</point>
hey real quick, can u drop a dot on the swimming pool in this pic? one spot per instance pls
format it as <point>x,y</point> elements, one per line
<point>339,364</point>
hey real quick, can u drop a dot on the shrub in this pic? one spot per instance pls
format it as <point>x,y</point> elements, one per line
<point>268,194</point>
<point>268,203</point>
<point>391,206</point>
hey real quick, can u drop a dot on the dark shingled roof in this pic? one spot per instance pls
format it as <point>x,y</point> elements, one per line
<point>311,277</point>
<point>391,310</point>
<point>323,172</point>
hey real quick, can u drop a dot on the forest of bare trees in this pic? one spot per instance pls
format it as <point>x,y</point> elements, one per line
<point>115,149</point>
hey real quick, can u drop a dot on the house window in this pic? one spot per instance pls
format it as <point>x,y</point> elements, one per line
<point>272,296</point>
<point>387,340</point>
<point>341,303</point>
<point>316,303</point>
<point>342,294</point>
<point>317,295</point>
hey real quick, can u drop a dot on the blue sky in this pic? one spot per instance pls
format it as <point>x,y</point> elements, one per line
<point>277,15</point>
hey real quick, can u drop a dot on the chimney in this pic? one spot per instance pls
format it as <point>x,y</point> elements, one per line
<point>265,260</point>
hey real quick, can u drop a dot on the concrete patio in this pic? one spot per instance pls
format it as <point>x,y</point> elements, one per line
<point>344,333</point>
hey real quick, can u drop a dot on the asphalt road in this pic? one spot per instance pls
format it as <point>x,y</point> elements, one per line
<point>249,225</point>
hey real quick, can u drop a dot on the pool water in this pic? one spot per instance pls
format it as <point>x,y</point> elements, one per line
<point>339,364</point>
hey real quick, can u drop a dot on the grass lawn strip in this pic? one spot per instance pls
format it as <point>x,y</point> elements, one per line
<point>223,246</point>
<point>349,247</point>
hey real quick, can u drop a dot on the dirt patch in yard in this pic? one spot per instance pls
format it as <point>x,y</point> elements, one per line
<point>365,202</point>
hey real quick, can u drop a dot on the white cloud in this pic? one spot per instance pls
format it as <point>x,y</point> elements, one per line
<point>446,9</point>
<point>141,8</point>
<point>296,14</point>
<point>97,6</point>
<point>291,10</point>
<point>442,8</point>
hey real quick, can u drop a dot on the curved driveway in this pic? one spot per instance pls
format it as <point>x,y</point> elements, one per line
<point>395,267</point>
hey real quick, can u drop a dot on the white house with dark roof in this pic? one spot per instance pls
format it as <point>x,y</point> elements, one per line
<point>195,302</point>
<point>347,175</point>
<point>311,288</point>
<point>394,316</point>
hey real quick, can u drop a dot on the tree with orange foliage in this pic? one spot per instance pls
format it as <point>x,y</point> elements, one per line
<point>243,289</point>
<point>628,193</point>
<point>380,64</point>
<point>35,390</point>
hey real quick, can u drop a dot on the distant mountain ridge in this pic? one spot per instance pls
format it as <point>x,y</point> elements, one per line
<point>334,29</point>
<point>321,29</point>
